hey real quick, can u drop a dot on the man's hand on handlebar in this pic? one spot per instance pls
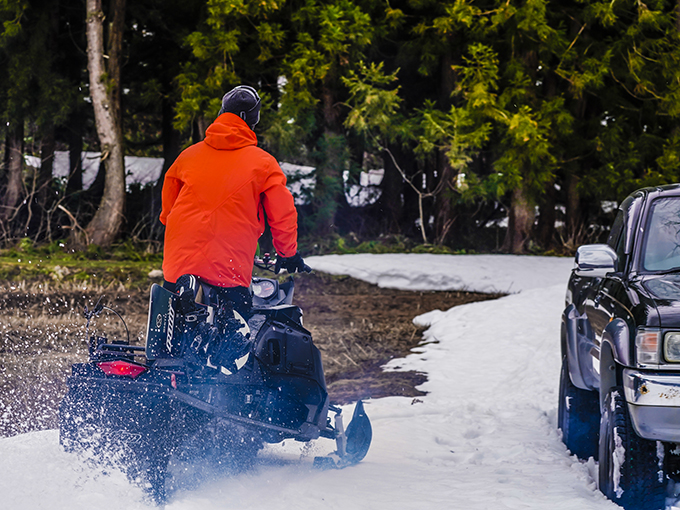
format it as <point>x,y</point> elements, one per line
<point>291,264</point>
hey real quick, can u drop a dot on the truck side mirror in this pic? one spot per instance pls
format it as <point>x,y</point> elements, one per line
<point>595,260</point>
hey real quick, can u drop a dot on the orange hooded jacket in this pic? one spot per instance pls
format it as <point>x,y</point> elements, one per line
<point>214,195</point>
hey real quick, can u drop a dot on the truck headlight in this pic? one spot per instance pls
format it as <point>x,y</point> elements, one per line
<point>671,346</point>
<point>647,346</point>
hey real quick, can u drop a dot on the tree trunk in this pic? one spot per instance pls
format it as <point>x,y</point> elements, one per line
<point>75,152</point>
<point>105,93</point>
<point>47,156</point>
<point>444,207</point>
<point>445,211</point>
<point>545,230</point>
<point>42,198</point>
<point>329,192</point>
<point>391,202</point>
<point>329,196</point>
<point>520,222</point>
<point>172,140</point>
<point>15,165</point>
<point>573,222</point>
<point>202,125</point>
<point>171,149</point>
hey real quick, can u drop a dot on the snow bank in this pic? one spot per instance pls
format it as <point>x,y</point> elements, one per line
<point>480,273</point>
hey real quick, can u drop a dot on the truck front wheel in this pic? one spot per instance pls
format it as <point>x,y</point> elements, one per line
<point>631,468</point>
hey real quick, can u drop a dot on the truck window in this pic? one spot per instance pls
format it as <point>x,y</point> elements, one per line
<point>661,245</point>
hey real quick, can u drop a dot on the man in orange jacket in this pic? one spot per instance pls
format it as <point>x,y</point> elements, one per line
<point>215,196</point>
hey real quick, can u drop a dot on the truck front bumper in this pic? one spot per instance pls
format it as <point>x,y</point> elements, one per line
<point>654,404</point>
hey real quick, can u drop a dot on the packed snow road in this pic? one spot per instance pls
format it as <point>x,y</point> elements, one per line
<point>483,438</point>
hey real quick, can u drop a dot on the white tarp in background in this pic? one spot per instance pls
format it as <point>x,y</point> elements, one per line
<point>367,191</point>
<point>300,178</point>
<point>142,171</point>
<point>138,170</point>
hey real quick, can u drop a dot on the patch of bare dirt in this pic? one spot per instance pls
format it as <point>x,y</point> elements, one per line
<point>358,327</point>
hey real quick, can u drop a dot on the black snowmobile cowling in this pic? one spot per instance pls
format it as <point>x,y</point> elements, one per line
<point>141,406</point>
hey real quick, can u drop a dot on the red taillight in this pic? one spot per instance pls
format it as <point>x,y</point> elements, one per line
<point>121,368</point>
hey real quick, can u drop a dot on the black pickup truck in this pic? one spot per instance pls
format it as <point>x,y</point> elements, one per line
<point>619,396</point>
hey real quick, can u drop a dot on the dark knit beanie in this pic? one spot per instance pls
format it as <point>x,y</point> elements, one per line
<point>244,102</point>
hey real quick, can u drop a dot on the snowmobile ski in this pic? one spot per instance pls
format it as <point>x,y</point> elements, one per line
<point>352,443</point>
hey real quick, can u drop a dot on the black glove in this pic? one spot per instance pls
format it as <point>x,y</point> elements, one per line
<point>291,264</point>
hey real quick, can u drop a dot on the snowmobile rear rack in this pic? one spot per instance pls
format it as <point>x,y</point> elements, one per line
<point>121,348</point>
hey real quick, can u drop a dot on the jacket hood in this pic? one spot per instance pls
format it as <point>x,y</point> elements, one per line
<point>229,132</point>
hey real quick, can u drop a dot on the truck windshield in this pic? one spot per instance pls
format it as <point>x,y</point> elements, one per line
<point>661,248</point>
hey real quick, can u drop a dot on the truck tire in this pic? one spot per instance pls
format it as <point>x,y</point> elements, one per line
<point>631,470</point>
<point>578,417</point>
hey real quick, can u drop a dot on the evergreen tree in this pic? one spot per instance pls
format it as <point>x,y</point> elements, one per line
<point>329,39</point>
<point>156,54</point>
<point>235,43</point>
<point>33,92</point>
<point>477,107</point>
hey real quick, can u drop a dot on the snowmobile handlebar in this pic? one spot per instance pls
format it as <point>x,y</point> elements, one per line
<point>280,262</point>
<point>265,262</point>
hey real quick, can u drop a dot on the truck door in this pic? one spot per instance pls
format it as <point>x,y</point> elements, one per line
<point>603,304</point>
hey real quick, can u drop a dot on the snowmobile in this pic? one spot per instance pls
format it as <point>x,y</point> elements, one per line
<point>140,406</point>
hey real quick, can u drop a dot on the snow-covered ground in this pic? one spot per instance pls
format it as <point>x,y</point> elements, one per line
<point>483,438</point>
<point>481,273</point>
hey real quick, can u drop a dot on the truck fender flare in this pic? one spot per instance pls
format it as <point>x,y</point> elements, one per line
<point>614,351</point>
<point>571,342</point>
<point>617,334</point>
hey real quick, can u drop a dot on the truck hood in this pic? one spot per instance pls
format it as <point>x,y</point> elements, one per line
<point>664,292</point>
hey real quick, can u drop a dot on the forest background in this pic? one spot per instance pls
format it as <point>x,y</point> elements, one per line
<point>501,125</point>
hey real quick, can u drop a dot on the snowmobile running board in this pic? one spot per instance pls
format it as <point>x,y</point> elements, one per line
<point>352,444</point>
